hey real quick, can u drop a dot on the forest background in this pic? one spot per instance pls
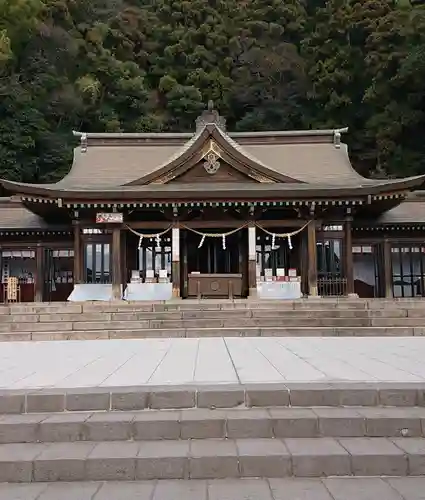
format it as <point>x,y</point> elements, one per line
<point>152,65</point>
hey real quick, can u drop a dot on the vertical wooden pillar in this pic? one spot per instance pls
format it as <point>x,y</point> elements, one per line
<point>125,275</point>
<point>184,265</point>
<point>303,256</point>
<point>348,254</point>
<point>78,260</point>
<point>116,263</point>
<point>312,259</point>
<point>387,269</point>
<point>175,261</point>
<point>252,261</point>
<point>39,274</point>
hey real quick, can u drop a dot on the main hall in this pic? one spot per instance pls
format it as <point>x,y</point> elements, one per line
<point>212,214</point>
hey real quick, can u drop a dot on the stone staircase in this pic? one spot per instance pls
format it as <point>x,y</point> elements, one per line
<point>210,433</point>
<point>310,317</point>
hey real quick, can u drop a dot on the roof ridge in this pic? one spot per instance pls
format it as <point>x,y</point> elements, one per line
<point>184,135</point>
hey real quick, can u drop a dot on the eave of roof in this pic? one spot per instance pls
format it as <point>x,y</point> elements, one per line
<point>14,216</point>
<point>220,190</point>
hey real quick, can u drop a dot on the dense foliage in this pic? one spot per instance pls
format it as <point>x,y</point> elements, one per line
<point>151,65</point>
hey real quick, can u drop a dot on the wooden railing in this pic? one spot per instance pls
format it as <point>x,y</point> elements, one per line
<point>332,286</point>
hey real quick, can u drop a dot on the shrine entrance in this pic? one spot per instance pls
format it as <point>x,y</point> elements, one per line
<point>215,266</point>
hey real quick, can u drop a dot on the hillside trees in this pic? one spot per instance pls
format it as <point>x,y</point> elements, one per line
<point>152,65</point>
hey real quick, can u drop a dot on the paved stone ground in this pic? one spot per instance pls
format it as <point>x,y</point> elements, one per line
<point>112,363</point>
<point>242,489</point>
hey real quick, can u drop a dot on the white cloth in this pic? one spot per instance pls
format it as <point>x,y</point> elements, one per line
<point>148,291</point>
<point>84,292</point>
<point>285,290</point>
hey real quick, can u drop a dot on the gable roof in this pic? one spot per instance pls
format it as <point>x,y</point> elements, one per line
<point>311,160</point>
<point>112,160</point>
<point>220,144</point>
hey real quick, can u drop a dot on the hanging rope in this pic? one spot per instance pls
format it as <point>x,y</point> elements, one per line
<point>223,236</point>
<point>283,235</point>
<point>157,236</point>
<point>214,235</point>
<point>153,235</point>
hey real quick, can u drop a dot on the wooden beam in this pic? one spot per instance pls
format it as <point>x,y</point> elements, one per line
<point>219,224</point>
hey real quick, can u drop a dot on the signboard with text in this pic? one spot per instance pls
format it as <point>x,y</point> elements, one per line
<point>110,218</point>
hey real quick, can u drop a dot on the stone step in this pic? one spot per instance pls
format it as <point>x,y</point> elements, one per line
<point>335,488</point>
<point>107,333</point>
<point>211,459</point>
<point>270,321</point>
<point>227,396</point>
<point>341,327</point>
<point>367,315</point>
<point>212,305</point>
<point>242,423</point>
<point>264,317</point>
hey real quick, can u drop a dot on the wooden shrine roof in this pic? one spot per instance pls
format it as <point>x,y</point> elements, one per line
<point>14,215</point>
<point>410,211</point>
<point>269,165</point>
<point>217,191</point>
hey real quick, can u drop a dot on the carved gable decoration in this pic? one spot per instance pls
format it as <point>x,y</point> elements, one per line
<point>211,155</point>
<point>219,156</point>
<point>212,166</point>
<point>199,173</point>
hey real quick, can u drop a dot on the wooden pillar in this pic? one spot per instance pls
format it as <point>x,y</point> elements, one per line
<point>78,260</point>
<point>348,254</point>
<point>175,261</point>
<point>39,273</point>
<point>252,261</point>
<point>184,266</point>
<point>116,264</point>
<point>312,259</point>
<point>303,256</point>
<point>387,269</point>
<point>125,275</point>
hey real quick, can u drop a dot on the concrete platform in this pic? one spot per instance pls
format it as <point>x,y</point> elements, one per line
<point>210,361</point>
<point>349,488</point>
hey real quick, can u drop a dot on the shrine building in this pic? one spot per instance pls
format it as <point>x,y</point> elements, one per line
<point>151,216</point>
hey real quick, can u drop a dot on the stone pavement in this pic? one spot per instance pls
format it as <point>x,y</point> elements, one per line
<point>228,489</point>
<point>214,361</point>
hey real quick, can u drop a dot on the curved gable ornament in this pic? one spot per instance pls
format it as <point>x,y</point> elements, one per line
<point>211,164</point>
<point>212,156</point>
